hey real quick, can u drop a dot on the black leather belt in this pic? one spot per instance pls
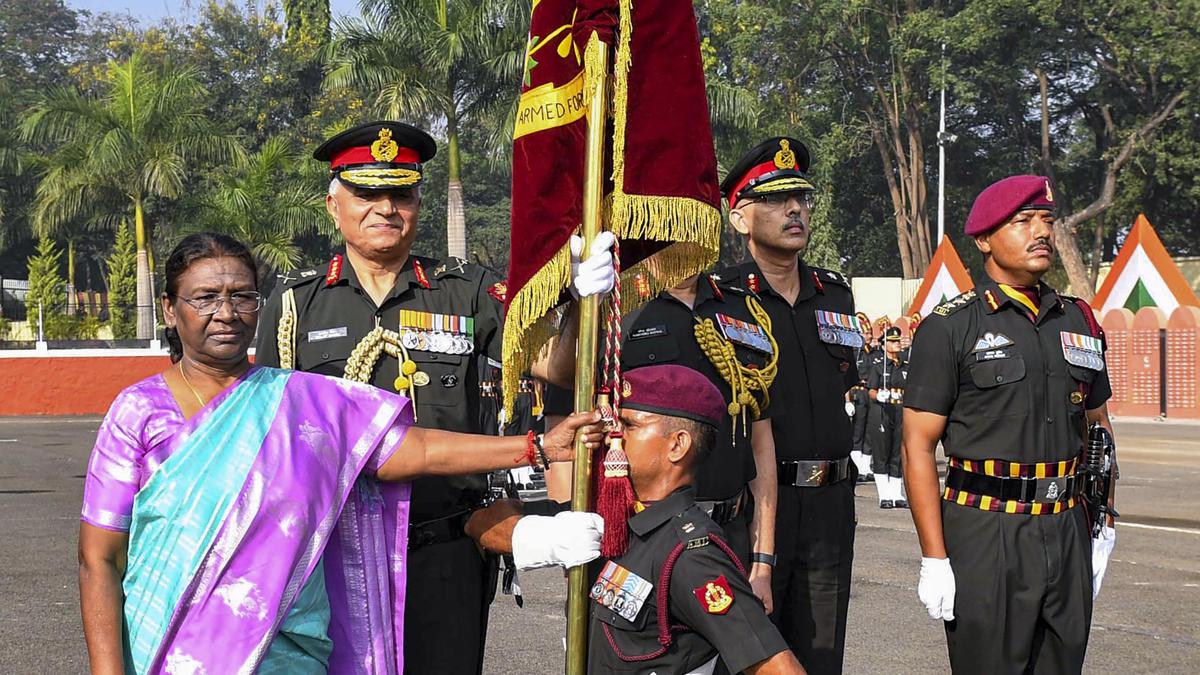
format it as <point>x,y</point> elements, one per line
<point>1026,490</point>
<point>438,531</point>
<point>726,510</point>
<point>814,472</point>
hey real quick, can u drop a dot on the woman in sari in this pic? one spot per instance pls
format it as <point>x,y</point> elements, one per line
<point>214,488</point>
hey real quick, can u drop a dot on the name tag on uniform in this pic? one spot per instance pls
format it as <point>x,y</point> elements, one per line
<point>441,333</point>
<point>621,591</point>
<point>744,333</point>
<point>1084,351</point>
<point>648,332</point>
<point>326,334</point>
<point>838,329</point>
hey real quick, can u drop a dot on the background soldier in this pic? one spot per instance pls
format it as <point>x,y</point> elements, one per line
<point>812,315</point>
<point>412,325</point>
<point>886,377</point>
<point>1007,376</point>
<point>860,450</point>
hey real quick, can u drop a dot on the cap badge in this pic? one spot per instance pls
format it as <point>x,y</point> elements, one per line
<point>626,389</point>
<point>1049,193</point>
<point>785,158</point>
<point>385,149</point>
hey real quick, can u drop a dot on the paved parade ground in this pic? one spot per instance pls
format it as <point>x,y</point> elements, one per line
<point>1147,619</point>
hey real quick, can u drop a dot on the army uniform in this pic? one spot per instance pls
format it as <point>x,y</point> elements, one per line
<point>1015,392</point>
<point>858,396</point>
<point>884,422</point>
<point>664,330</point>
<point>425,340</point>
<point>815,521</point>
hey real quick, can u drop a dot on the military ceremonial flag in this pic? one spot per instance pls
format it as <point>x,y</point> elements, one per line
<point>662,193</point>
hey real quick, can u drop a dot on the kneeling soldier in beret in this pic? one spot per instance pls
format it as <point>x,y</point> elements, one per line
<point>1008,376</point>
<point>678,598</point>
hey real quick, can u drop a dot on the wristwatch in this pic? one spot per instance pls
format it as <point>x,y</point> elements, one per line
<point>767,559</point>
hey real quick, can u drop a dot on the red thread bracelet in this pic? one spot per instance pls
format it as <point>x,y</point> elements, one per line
<point>531,449</point>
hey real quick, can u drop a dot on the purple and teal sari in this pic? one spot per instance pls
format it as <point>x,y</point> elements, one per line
<point>234,557</point>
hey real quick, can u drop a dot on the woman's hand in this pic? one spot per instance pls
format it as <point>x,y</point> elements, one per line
<point>559,442</point>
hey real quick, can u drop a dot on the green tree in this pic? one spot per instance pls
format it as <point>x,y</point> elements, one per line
<point>307,21</point>
<point>139,139</point>
<point>265,203</point>
<point>450,63</point>
<point>47,291</point>
<point>122,285</point>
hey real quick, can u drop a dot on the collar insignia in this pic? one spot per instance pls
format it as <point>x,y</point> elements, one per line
<point>335,270</point>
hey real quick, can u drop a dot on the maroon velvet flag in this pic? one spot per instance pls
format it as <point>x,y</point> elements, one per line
<point>662,194</point>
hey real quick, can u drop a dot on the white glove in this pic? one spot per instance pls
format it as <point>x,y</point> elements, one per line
<point>596,274</point>
<point>849,409</point>
<point>1102,548</point>
<point>570,538</point>
<point>883,395</point>
<point>936,588</point>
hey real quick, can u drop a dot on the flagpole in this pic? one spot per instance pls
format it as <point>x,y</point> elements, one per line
<point>941,137</point>
<point>585,364</point>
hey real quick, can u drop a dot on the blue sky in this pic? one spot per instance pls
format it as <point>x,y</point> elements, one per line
<point>182,10</point>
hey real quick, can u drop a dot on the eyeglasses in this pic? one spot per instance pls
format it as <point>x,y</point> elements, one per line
<point>780,199</point>
<point>243,302</point>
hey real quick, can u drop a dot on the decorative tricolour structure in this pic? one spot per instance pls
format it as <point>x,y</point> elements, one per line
<point>1144,275</point>
<point>945,278</point>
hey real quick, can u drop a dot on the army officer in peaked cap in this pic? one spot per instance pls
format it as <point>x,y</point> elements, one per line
<point>811,310</point>
<point>417,326</point>
<point>1007,376</point>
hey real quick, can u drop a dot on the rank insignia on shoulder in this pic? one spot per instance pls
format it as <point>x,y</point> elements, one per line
<point>453,266</point>
<point>953,304</point>
<point>699,542</point>
<point>716,597</point>
<point>499,291</point>
<point>620,590</point>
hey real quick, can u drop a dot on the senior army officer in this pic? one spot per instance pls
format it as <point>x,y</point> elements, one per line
<point>412,325</point>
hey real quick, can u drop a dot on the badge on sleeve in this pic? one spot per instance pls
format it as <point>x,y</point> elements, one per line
<point>744,333</point>
<point>838,329</point>
<point>716,597</point>
<point>1084,351</point>
<point>621,591</point>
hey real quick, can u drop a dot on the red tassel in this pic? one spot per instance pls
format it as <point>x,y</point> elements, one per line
<point>616,499</point>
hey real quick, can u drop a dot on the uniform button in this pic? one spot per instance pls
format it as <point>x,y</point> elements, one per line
<point>1049,420</point>
<point>999,378</point>
<point>651,357</point>
<point>325,355</point>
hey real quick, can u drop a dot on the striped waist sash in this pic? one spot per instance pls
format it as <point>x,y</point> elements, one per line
<point>1012,487</point>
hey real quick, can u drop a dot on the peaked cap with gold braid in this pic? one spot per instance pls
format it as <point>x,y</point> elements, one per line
<point>378,155</point>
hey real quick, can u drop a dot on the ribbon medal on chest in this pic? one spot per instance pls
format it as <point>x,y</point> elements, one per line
<point>838,329</point>
<point>1084,351</point>
<point>744,333</point>
<point>621,591</point>
<point>440,333</point>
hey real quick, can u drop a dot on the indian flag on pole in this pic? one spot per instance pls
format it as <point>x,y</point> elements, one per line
<point>945,278</point>
<point>1144,275</point>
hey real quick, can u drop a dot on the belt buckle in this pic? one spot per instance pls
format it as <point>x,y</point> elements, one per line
<point>1052,490</point>
<point>817,473</point>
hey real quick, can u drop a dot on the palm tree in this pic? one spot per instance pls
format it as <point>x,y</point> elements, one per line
<point>448,62</point>
<point>264,203</point>
<point>138,140</point>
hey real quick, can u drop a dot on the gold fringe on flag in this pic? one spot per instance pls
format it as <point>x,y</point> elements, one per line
<point>530,324</point>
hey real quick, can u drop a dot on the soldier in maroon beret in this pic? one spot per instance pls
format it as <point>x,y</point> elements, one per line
<point>1008,376</point>
<point>678,598</point>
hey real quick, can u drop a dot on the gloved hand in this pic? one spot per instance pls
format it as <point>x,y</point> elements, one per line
<point>1102,548</point>
<point>883,395</point>
<point>570,538</point>
<point>849,409</point>
<point>596,274</point>
<point>936,588</point>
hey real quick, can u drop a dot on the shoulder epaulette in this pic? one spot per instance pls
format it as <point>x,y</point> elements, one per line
<point>829,275</point>
<point>954,304</point>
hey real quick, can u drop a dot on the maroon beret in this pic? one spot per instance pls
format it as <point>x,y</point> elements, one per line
<point>674,391</point>
<point>1000,200</point>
